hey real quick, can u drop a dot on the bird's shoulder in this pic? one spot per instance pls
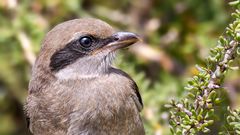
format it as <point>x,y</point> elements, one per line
<point>137,97</point>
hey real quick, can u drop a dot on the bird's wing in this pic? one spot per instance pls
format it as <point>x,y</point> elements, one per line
<point>137,97</point>
<point>28,122</point>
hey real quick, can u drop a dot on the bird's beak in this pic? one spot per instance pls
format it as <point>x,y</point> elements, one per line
<point>117,41</point>
<point>122,40</point>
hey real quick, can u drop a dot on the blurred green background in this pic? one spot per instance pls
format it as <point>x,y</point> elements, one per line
<point>176,36</point>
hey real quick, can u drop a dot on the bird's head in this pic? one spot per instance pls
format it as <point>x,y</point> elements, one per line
<point>81,48</point>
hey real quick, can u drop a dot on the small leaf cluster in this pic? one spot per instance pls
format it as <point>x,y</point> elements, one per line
<point>232,125</point>
<point>195,113</point>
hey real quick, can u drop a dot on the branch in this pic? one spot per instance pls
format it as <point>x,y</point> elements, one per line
<point>196,111</point>
<point>26,46</point>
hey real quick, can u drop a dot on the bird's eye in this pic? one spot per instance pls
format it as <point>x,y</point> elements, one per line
<point>86,41</point>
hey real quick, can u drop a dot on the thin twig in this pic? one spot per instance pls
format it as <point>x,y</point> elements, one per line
<point>26,46</point>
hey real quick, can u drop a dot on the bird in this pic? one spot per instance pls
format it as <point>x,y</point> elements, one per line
<point>75,90</point>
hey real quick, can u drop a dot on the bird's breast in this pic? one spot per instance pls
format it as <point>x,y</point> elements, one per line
<point>90,106</point>
<point>103,105</point>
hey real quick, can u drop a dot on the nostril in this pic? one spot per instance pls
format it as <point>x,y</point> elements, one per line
<point>116,39</point>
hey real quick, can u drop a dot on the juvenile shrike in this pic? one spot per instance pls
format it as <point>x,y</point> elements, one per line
<point>74,90</point>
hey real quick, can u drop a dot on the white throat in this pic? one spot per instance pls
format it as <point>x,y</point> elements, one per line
<point>87,67</point>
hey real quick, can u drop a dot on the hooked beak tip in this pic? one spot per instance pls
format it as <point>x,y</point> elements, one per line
<point>120,40</point>
<point>126,36</point>
<point>124,39</point>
